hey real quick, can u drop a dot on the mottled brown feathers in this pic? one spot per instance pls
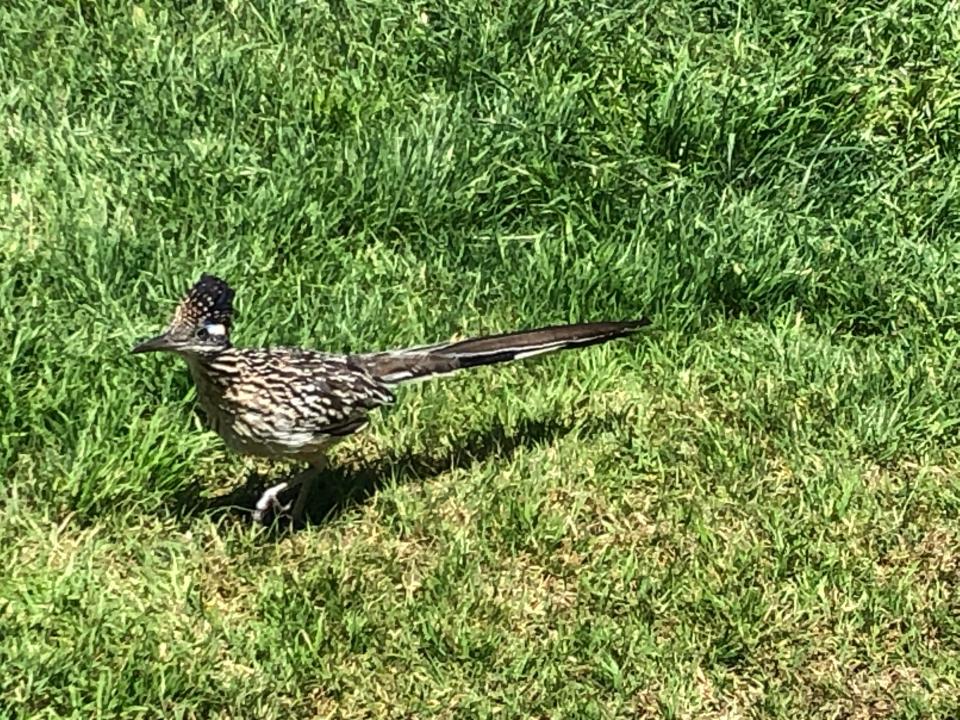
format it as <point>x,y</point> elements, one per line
<point>293,403</point>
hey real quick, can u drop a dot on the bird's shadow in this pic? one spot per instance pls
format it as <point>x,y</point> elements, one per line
<point>340,488</point>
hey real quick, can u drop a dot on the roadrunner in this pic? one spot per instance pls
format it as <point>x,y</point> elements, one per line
<point>292,403</point>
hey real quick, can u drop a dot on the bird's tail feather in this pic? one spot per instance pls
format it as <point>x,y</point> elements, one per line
<point>421,363</point>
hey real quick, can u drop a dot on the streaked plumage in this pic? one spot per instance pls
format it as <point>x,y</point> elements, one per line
<point>293,403</point>
<point>284,402</point>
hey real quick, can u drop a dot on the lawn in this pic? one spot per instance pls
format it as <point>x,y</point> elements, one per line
<point>749,511</point>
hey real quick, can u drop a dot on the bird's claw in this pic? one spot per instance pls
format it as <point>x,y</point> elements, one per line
<point>270,501</point>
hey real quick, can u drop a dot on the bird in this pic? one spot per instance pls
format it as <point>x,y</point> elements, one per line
<point>294,403</point>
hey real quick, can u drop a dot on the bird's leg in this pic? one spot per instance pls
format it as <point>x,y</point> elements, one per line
<point>270,499</point>
<point>306,488</point>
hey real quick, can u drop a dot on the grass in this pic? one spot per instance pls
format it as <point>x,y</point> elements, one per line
<point>752,511</point>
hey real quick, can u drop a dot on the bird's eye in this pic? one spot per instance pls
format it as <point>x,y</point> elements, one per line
<point>203,334</point>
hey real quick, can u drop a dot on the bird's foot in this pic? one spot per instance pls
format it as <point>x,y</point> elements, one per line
<point>270,502</point>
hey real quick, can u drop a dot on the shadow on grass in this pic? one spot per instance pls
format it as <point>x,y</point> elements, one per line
<point>340,488</point>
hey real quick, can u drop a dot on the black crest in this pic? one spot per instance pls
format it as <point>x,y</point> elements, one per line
<point>209,301</point>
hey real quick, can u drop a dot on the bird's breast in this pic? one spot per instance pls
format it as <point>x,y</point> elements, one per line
<point>254,418</point>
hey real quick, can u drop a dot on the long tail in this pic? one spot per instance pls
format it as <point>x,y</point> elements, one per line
<point>420,363</point>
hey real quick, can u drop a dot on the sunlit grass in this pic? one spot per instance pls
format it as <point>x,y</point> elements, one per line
<point>749,511</point>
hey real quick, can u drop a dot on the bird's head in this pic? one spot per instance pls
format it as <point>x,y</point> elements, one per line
<point>200,324</point>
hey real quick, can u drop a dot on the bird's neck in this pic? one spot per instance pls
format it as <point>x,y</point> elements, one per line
<point>209,367</point>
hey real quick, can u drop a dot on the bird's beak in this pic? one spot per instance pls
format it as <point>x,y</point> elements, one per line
<point>154,344</point>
